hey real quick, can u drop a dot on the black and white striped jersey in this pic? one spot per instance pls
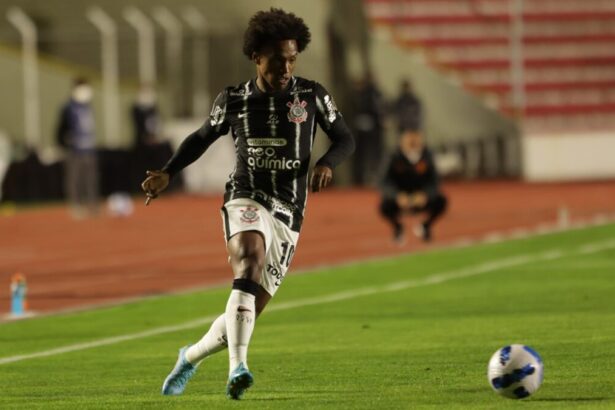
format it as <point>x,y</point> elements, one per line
<point>273,135</point>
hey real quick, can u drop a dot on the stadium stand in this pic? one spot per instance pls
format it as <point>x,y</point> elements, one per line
<point>568,53</point>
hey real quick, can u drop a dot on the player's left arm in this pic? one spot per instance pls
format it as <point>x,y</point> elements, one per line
<point>342,142</point>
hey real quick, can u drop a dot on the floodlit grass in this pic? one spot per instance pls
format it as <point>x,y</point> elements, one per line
<point>425,343</point>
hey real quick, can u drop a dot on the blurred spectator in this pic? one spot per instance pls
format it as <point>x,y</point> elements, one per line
<point>411,185</point>
<point>407,109</point>
<point>145,117</point>
<point>368,130</point>
<point>76,135</point>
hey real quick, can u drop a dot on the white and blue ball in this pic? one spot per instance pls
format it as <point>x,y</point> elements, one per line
<point>515,371</point>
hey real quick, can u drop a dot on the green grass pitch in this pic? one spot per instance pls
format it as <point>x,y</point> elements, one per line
<point>409,332</point>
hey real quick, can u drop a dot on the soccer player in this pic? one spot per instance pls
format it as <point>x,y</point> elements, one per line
<point>272,119</point>
<point>411,185</point>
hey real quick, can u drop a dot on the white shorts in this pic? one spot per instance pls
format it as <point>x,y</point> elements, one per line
<point>245,214</point>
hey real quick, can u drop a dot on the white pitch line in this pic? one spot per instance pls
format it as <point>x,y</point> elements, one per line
<point>596,247</point>
<point>434,279</point>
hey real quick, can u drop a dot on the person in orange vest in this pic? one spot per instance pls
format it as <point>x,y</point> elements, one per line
<point>411,186</point>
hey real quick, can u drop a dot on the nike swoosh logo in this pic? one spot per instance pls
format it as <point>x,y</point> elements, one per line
<point>242,114</point>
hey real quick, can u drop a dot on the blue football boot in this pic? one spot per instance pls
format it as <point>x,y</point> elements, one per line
<point>239,381</point>
<point>176,381</point>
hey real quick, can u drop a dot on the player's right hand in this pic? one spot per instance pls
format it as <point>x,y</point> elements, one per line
<point>155,183</point>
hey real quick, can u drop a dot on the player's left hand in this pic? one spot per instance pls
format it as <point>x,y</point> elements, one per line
<point>321,177</point>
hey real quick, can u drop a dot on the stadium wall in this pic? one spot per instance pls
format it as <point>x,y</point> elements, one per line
<point>575,156</point>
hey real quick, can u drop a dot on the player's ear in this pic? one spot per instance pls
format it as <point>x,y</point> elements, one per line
<point>256,58</point>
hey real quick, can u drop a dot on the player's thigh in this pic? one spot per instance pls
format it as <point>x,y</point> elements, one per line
<point>247,230</point>
<point>246,250</point>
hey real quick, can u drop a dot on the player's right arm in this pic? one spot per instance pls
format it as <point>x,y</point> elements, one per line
<point>190,149</point>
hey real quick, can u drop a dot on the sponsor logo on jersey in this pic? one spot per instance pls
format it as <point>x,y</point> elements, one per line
<point>249,215</point>
<point>266,142</point>
<point>331,108</point>
<point>275,204</point>
<point>265,158</point>
<point>297,112</point>
<point>278,164</point>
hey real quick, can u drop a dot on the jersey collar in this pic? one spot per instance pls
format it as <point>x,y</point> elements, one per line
<point>257,91</point>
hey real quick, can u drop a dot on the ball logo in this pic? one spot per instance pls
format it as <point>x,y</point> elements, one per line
<point>297,112</point>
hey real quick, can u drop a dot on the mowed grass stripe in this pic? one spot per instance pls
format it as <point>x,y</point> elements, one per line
<point>437,278</point>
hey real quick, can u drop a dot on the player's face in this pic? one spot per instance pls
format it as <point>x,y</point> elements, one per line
<point>275,65</point>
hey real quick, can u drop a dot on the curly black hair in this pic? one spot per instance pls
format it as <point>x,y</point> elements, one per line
<point>269,27</point>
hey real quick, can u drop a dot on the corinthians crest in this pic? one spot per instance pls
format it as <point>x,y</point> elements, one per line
<point>297,112</point>
<point>249,215</point>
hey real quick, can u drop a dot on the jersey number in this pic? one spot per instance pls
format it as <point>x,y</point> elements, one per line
<point>288,252</point>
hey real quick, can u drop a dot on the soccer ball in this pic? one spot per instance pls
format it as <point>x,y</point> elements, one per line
<point>515,371</point>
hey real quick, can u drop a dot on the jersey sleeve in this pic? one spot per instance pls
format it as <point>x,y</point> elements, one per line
<point>197,143</point>
<point>332,123</point>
